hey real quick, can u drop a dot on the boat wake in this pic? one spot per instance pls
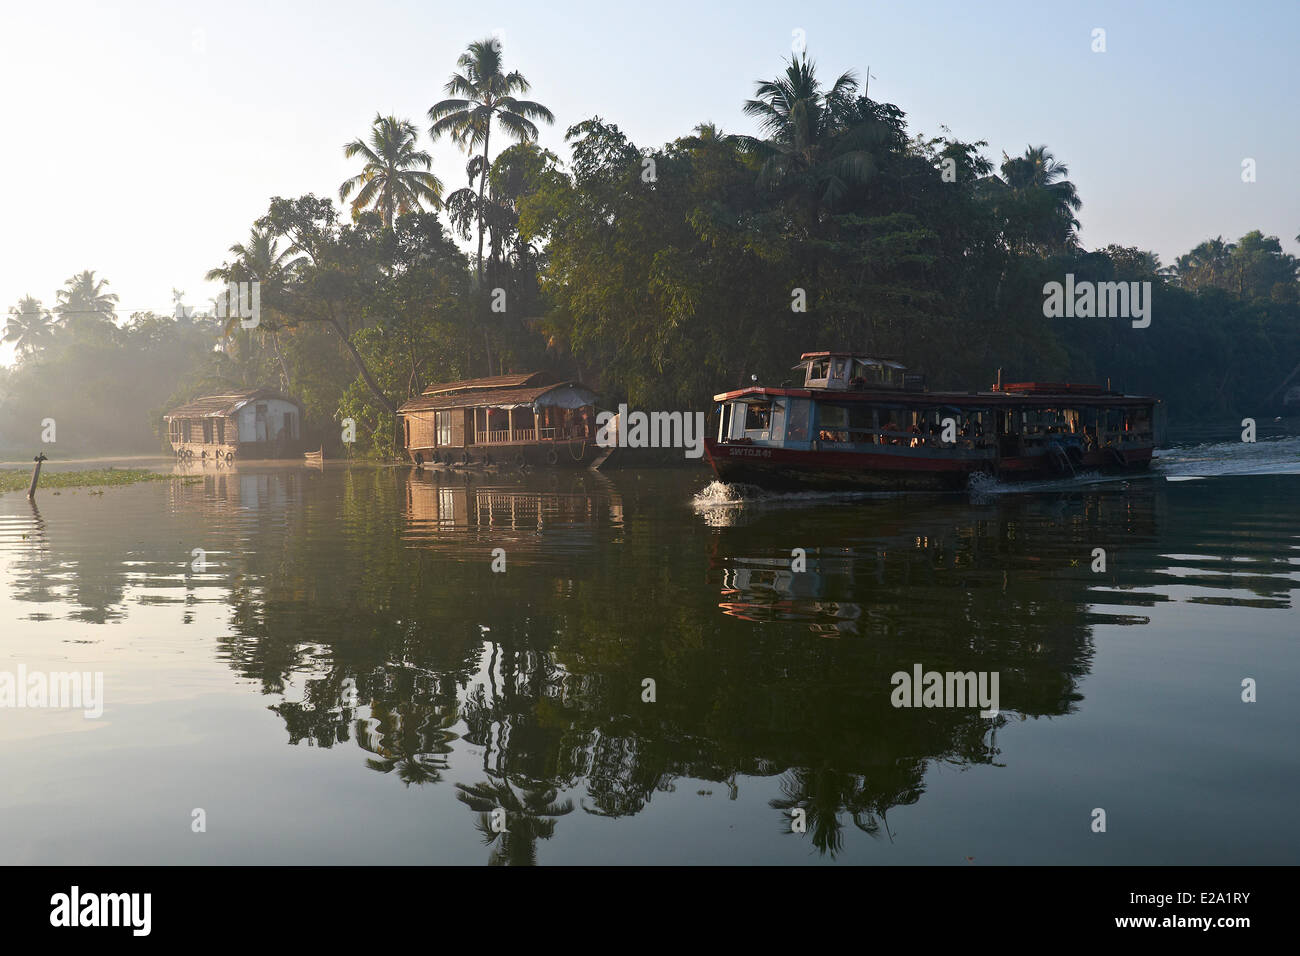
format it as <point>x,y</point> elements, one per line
<point>1276,456</point>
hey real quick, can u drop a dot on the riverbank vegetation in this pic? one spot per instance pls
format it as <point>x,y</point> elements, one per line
<point>659,274</point>
<point>18,479</point>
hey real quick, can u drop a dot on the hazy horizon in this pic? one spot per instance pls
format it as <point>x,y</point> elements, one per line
<point>144,140</point>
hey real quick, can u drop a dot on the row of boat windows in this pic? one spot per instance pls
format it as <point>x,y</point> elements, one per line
<point>855,372</point>
<point>792,420</point>
<point>460,427</point>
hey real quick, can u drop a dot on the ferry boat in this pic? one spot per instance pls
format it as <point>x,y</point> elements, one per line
<point>866,423</point>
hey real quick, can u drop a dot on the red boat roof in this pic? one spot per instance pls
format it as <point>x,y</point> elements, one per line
<point>1052,388</point>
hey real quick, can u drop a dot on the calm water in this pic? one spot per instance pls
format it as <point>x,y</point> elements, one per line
<point>348,680</point>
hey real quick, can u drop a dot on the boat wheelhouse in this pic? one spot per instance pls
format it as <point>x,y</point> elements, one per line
<point>256,423</point>
<point>527,418</point>
<point>861,422</point>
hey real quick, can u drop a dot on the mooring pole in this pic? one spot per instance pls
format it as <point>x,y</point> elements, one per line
<point>36,476</point>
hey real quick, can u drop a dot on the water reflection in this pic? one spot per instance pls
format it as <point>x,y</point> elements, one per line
<point>363,603</point>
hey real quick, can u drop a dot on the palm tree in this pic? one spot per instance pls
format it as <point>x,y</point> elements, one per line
<point>396,177</point>
<point>1047,199</point>
<point>480,93</point>
<point>29,328</point>
<point>1209,264</point>
<point>262,260</point>
<point>83,304</point>
<point>530,816</point>
<point>810,147</point>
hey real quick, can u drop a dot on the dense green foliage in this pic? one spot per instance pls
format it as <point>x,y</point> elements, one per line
<point>662,275</point>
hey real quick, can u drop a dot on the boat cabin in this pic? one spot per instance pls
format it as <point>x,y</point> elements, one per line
<point>518,417</point>
<point>255,423</point>
<point>841,371</point>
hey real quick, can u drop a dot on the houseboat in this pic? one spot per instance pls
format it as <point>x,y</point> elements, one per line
<point>253,424</point>
<point>866,423</point>
<point>528,418</point>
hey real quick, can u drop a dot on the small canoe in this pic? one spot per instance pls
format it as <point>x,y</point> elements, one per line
<point>315,457</point>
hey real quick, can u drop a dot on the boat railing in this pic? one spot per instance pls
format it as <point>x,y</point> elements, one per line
<point>505,436</point>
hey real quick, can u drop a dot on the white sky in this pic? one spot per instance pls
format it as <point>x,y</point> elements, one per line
<point>141,139</point>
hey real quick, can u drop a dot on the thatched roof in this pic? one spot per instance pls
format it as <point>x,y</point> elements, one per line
<point>514,380</point>
<point>225,405</point>
<point>567,394</point>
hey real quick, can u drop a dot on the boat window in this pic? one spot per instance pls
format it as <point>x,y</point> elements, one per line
<point>442,424</point>
<point>758,417</point>
<point>778,418</point>
<point>868,372</point>
<point>797,424</point>
<point>736,423</point>
<point>845,423</point>
<point>833,416</point>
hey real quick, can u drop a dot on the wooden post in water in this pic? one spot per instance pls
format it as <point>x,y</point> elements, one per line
<point>36,476</point>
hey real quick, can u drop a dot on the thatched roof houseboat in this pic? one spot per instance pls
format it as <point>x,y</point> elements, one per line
<point>252,424</point>
<point>525,418</point>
